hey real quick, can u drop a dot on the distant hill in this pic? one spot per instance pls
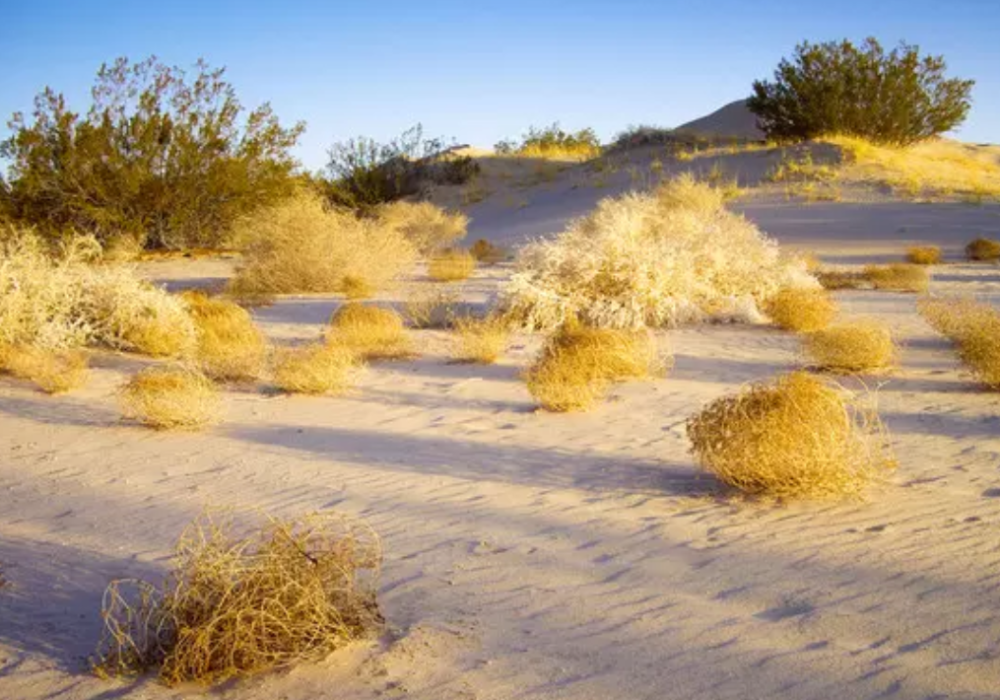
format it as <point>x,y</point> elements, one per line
<point>732,120</point>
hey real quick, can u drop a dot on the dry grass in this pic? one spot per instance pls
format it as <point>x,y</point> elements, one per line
<point>983,250</point>
<point>481,340</point>
<point>487,253</point>
<point>316,369</point>
<point>451,266</point>
<point>230,346</point>
<point>924,255</point>
<point>841,279</point>
<point>801,310</point>
<point>974,327</point>
<point>898,277</point>
<point>52,371</point>
<point>372,332</point>
<point>356,288</point>
<point>860,346</point>
<point>795,437</point>
<point>427,227</point>
<point>236,604</point>
<point>577,365</point>
<point>169,398</point>
<point>301,245</point>
<point>431,308</point>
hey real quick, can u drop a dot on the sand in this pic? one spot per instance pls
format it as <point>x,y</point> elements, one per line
<point>532,555</point>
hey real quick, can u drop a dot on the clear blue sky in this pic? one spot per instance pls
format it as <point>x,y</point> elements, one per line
<point>478,70</point>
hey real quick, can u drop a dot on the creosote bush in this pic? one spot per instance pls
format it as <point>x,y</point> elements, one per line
<point>481,340</point>
<point>974,328</point>
<point>983,250</point>
<point>898,277</point>
<point>451,266</point>
<point>169,398</point>
<point>795,437</point>
<point>427,227</point>
<point>230,346</point>
<point>52,371</point>
<point>859,346</point>
<point>237,603</point>
<point>578,365</point>
<point>801,310</point>
<point>316,369</point>
<point>372,332</point>
<point>924,255</point>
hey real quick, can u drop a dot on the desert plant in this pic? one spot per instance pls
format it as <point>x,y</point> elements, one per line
<point>372,332</point>
<point>481,340</point>
<point>797,436</point>
<point>427,227</point>
<point>842,279</point>
<point>316,369</point>
<point>924,255</point>
<point>230,347</point>
<point>170,397</point>
<point>301,245</point>
<point>578,364</point>
<point>898,277</point>
<point>161,158</point>
<point>237,603</point>
<point>356,288</point>
<point>451,266</point>
<point>553,142</point>
<point>899,97</point>
<point>431,308</point>
<point>859,346</point>
<point>662,259</point>
<point>487,253</point>
<point>974,327</point>
<point>53,371</point>
<point>801,310</point>
<point>983,250</point>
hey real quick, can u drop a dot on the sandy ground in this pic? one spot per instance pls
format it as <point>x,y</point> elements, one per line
<point>531,555</point>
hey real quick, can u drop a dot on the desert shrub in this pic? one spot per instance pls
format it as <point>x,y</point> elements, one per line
<point>371,331</point>
<point>983,249</point>
<point>578,364</point>
<point>237,603</point>
<point>316,369</point>
<point>899,97</point>
<point>230,346</point>
<point>670,257</point>
<point>170,397</point>
<point>553,142</point>
<point>52,371</point>
<point>431,308</point>
<point>795,437</point>
<point>636,136</point>
<point>162,158</point>
<point>487,253</point>
<point>356,288</point>
<point>301,245</point>
<point>427,227</point>
<point>451,266</point>
<point>481,340</point>
<point>924,255</point>
<point>898,277</point>
<point>861,346</point>
<point>974,327</point>
<point>801,310</point>
<point>842,279</point>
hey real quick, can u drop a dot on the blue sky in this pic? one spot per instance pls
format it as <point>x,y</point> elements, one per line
<point>480,71</point>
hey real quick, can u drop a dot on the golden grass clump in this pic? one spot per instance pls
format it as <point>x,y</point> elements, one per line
<point>577,365</point>
<point>792,438</point>
<point>355,288</point>
<point>924,255</point>
<point>898,277</point>
<point>974,327</point>
<point>983,250</point>
<point>230,346</point>
<point>842,279</point>
<point>52,371</point>
<point>481,340</point>
<point>316,369</point>
<point>372,332</point>
<point>426,226</point>
<point>860,346</point>
<point>238,603</point>
<point>801,310</point>
<point>431,308</point>
<point>168,398</point>
<point>451,266</point>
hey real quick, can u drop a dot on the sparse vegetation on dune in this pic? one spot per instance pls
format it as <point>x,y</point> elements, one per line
<point>237,603</point>
<point>898,277</point>
<point>801,310</point>
<point>316,369</point>
<point>924,255</point>
<point>842,279</point>
<point>552,142</point>
<point>859,346</point>
<point>983,250</point>
<point>451,266</point>
<point>795,437</point>
<point>371,331</point>
<point>169,398</point>
<point>427,227</point>
<point>670,257</point>
<point>481,340</point>
<point>578,364</point>
<point>230,346</point>
<point>52,371</point>
<point>974,327</point>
